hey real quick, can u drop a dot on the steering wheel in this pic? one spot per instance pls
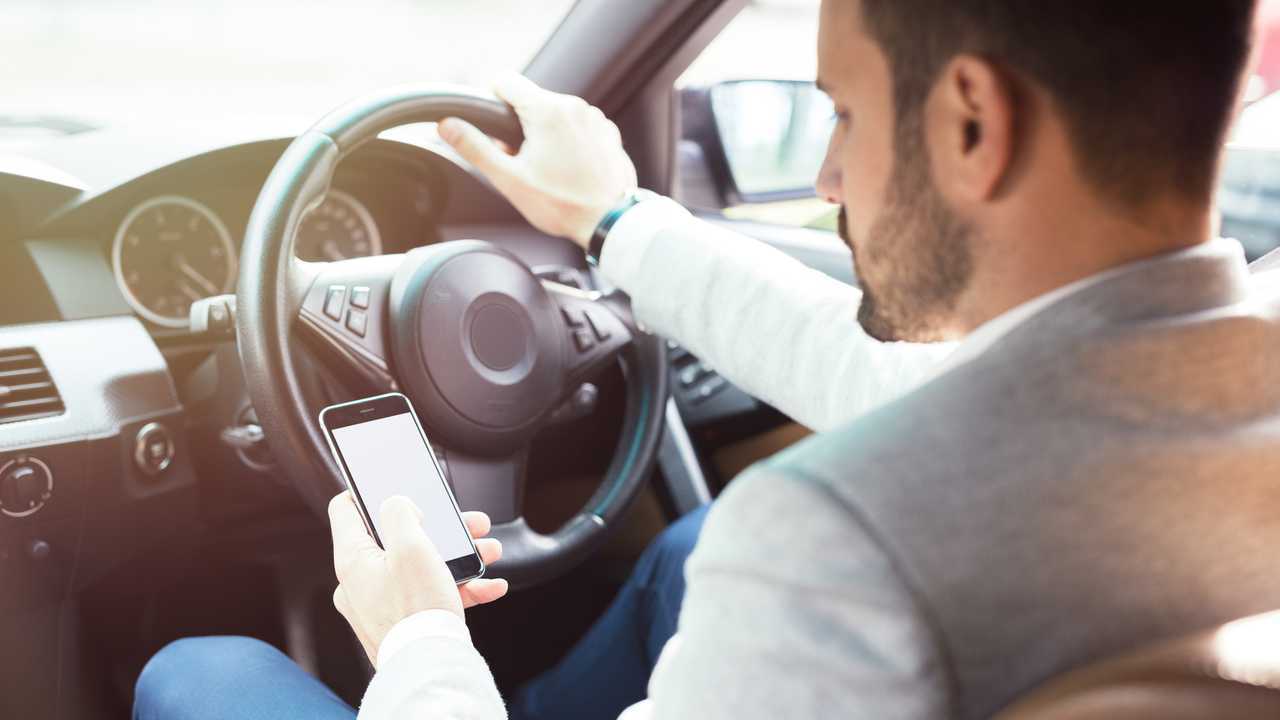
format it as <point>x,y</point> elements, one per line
<point>483,348</point>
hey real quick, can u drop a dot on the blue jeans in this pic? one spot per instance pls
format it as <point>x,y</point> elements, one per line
<point>238,677</point>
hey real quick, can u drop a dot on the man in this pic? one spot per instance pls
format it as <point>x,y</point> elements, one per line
<point>1093,469</point>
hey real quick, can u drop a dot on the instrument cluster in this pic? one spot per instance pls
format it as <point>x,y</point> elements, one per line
<point>172,250</point>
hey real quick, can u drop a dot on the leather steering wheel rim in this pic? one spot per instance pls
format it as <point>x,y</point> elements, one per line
<point>272,302</point>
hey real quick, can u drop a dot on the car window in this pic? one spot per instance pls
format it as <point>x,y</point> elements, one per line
<point>789,28</point>
<point>113,61</point>
<point>1249,192</point>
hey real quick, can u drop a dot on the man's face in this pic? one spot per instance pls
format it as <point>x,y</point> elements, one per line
<point>911,252</point>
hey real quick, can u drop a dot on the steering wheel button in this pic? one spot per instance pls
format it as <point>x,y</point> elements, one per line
<point>360,297</point>
<point>573,317</point>
<point>357,322</point>
<point>691,375</point>
<point>582,340</point>
<point>708,389</point>
<point>333,301</point>
<point>602,332</point>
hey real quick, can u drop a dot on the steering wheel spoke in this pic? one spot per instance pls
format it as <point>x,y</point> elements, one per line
<point>599,329</point>
<point>343,315</point>
<point>494,485</point>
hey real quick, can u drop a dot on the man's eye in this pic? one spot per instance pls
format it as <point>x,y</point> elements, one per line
<point>840,116</point>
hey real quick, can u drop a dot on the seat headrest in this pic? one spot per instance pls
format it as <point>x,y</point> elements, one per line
<point>1226,673</point>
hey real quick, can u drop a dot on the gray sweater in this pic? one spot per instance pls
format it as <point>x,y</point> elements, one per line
<point>1096,475</point>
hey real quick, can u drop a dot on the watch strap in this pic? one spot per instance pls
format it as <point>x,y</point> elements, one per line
<point>596,246</point>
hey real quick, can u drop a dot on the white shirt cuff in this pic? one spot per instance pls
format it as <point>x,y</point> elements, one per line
<point>425,624</point>
<point>629,238</point>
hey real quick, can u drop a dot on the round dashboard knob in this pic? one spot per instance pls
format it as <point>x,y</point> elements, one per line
<point>26,484</point>
<point>153,450</point>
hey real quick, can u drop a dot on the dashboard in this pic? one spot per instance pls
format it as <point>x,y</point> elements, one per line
<point>121,427</point>
<point>156,244</point>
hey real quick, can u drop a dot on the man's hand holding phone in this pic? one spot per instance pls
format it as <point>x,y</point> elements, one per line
<point>378,587</point>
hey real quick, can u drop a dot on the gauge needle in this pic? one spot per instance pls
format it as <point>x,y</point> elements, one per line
<point>188,291</point>
<point>184,267</point>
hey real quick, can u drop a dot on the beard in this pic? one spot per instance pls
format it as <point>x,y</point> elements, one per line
<point>916,260</point>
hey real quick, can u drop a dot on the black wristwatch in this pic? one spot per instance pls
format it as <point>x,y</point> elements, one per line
<point>596,246</point>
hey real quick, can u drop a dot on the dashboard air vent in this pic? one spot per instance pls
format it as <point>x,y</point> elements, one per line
<point>26,390</point>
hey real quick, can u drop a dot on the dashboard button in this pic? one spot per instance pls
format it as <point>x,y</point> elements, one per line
<point>360,297</point>
<point>26,484</point>
<point>333,301</point>
<point>582,340</point>
<point>357,322</point>
<point>153,449</point>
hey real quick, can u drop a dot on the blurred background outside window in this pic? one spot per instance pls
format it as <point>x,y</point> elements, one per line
<point>108,62</point>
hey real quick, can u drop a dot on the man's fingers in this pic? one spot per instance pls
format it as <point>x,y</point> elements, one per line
<point>343,606</point>
<point>401,525</point>
<point>350,538</point>
<point>490,550</point>
<point>477,148</point>
<point>478,523</point>
<point>340,602</point>
<point>479,592</point>
<point>519,91</point>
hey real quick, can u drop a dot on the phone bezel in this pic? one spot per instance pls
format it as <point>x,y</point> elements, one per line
<point>467,567</point>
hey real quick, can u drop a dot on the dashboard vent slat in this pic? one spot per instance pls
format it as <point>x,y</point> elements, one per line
<point>27,372</point>
<point>26,389</point>
<point>17,358</point>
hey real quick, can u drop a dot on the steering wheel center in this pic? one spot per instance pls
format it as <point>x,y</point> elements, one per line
<point>476,343</point>
<point>499,337</point>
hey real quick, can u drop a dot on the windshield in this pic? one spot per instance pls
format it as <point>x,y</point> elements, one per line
<point>105,62</point>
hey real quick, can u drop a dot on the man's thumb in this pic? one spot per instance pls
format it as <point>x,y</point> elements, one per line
<point>475,147</point>
<point>401,524</point>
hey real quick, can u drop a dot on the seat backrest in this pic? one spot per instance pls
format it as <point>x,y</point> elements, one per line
<point>1231,672</point>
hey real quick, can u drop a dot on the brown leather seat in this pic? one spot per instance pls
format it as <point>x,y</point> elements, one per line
<point>1231,672</point>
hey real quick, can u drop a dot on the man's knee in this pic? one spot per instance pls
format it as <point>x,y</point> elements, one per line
<point>164,688</point>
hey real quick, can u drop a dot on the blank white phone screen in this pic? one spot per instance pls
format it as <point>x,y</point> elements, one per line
<point>387,457</point>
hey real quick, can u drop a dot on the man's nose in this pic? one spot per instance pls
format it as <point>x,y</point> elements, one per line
<point>827,185</point>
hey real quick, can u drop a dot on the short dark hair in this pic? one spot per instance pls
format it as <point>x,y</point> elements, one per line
<point>1147,87</point>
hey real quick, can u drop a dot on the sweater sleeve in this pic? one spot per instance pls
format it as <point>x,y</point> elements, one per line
<point>784,332</point>
<point>428,668</point>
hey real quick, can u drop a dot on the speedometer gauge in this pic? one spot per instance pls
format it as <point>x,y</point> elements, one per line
<point>341,227</point>
<point>169,252</point>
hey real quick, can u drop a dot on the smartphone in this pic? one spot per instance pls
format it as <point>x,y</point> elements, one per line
<point>382,451</point>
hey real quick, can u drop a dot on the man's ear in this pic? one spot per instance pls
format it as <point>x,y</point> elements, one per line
<point>970,129</point>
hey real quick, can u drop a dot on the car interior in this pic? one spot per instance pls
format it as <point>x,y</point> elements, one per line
<point>162,474</point>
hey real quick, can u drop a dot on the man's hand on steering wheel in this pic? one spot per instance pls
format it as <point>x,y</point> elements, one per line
<point>571,169</point>
<point>378,587</point>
